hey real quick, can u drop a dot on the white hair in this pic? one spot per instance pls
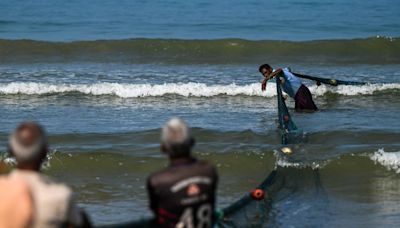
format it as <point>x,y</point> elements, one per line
<point>27,153</point>
<point>175,132</point>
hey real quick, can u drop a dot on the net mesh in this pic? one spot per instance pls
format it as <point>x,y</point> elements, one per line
<point>247,211</point>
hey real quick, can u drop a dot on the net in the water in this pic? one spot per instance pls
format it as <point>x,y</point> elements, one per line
<point>252,210</point>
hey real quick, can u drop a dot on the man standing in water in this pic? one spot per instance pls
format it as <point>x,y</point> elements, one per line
<point>183,194</point>
<point>53,202</point>
<point>290,85</point>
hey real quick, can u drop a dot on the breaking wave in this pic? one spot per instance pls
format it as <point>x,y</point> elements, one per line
<point>390,160</point>
<point>190,89</point>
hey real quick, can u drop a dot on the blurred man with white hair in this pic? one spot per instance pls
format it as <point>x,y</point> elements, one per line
<point>53,202</point>
<point>183,194</point>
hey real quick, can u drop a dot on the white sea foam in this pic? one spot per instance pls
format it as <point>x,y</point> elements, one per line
<point>9,160</point>
<point>286,162</point>
<point>351,90</point>
<point>139,90</point>
<point>190,89</point>
<point>391,160</point>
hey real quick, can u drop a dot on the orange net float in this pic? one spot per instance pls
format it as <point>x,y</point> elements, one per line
<point>258,194</point>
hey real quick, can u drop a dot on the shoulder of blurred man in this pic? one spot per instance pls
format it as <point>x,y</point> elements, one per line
<point>54,201</point>
<point>14,214</point>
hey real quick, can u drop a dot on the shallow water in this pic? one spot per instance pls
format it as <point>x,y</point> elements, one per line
<point>103,78</point>
<point>104,120</point>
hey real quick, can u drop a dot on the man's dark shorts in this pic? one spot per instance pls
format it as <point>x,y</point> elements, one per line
<point>303,100</point>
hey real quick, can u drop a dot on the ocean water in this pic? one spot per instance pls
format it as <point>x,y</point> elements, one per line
<point>200,19</point>
<point>103,77</point>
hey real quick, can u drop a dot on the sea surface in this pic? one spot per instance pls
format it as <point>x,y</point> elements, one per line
<point>104,76</point>
<point>59,20</point>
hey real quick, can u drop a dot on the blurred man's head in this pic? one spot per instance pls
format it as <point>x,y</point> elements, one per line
<point>28,144</point>
<point>176,140</point>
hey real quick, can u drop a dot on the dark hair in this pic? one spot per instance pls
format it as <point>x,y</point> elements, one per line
<point>266,66</point>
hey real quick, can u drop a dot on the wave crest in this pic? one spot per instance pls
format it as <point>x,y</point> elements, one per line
<point>134,90</point>
<point>389,160</point>
<point>190,89</point>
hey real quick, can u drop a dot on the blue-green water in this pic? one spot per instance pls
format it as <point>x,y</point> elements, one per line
<point>104,76</point>
<point>200,19</point>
